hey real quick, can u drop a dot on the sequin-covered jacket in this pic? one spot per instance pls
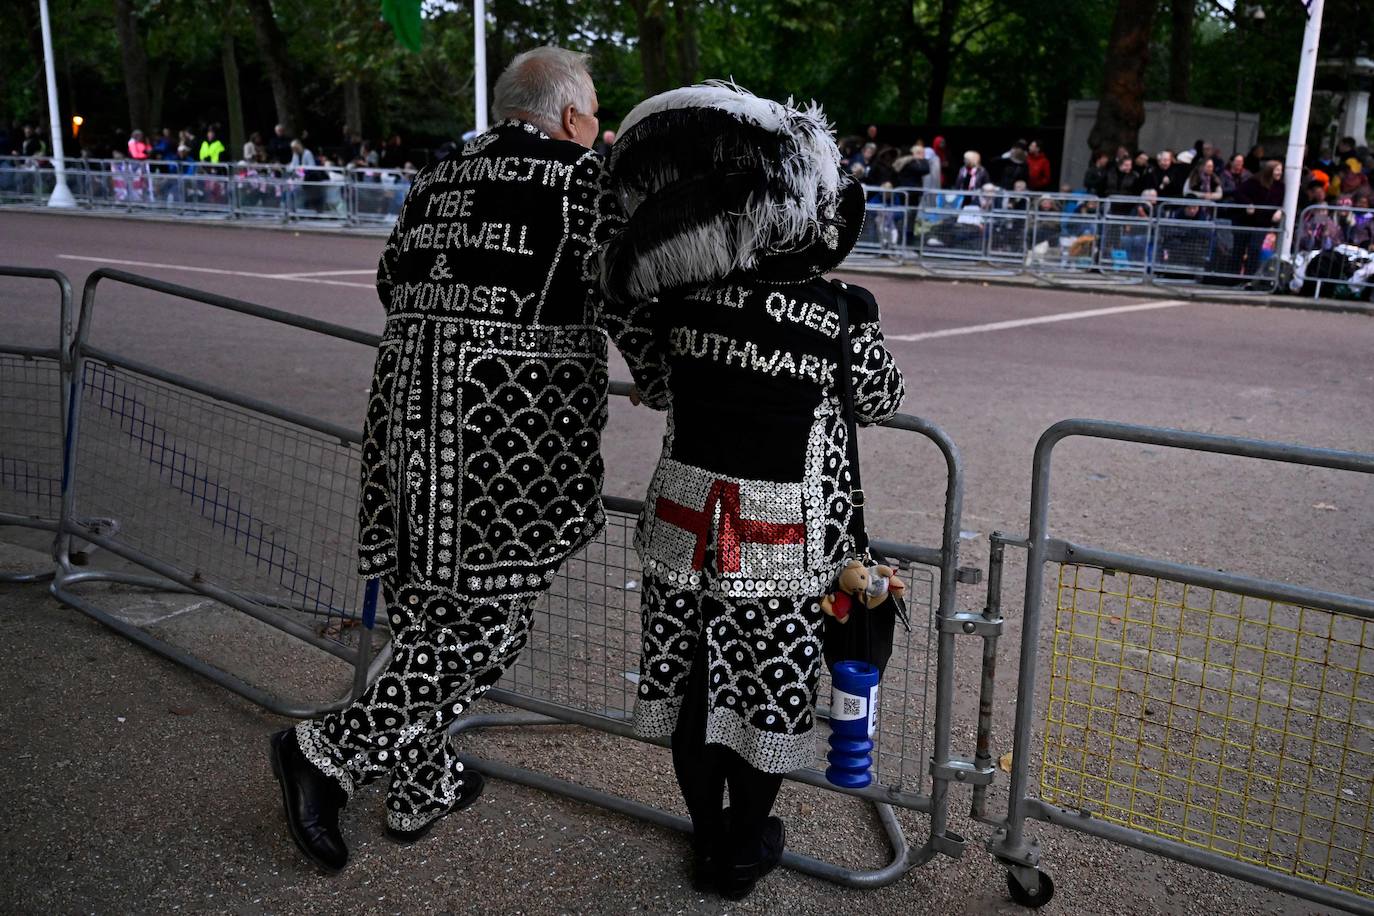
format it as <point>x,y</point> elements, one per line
<point>754,463</point>
<point>481,464</point>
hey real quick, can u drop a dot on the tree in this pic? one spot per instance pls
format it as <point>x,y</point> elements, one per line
<point>688,54</point>
<point>1026,68</point>
<point>653,44</point>
<point>277,59</point>
<point>941,32</point>
<point>1181,16</point>
<point>135,62</point>
<point>1121,106</point>
<point>233,97</point>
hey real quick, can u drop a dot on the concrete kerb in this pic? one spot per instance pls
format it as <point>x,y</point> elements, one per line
<point>888,271</point>
<point>1267,300</point>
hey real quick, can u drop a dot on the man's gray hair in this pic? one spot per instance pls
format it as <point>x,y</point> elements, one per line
<point>540,83</point>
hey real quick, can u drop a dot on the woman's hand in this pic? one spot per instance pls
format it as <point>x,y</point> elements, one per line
<point>635,399</point>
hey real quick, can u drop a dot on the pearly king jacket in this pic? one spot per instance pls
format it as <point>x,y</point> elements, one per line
<point>481,466</point>
<point>755,464</point>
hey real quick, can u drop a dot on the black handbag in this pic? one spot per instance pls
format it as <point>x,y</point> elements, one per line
<point>867,634</point>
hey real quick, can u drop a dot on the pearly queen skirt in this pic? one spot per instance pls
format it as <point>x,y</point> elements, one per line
<point>764,662</point>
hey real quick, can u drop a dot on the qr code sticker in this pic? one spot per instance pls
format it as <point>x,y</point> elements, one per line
<point>853,707</point>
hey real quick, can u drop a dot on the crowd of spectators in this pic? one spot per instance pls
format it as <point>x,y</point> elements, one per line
<point>1181,190</point>
<point>1188,193</point>
<point>924,167</point>
<point>183,167</point>
<point>1335,190</point>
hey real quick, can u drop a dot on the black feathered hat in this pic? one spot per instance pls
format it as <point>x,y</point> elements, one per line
<point>717,182</point>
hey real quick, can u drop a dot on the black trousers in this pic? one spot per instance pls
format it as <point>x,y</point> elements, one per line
<point>705,770</point>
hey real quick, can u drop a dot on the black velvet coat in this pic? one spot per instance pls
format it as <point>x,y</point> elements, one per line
<point>481,463</point>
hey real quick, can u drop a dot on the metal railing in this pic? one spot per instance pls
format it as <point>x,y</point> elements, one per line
<point>1334,252</point>
<point>1217,719</point>
<point>1063,239</point>
<point>1078,238</point>
<point>32,409</point>
<point>587,638</point>
<point>251,504</point>
<point>348,196</point>
<point>214,493</point>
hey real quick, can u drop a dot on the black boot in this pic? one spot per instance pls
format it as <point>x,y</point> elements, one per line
<point>312,801</point>
<point>738,879</point>
<point>707,855</point>
<point>473,784</point>
<point>700,771</point>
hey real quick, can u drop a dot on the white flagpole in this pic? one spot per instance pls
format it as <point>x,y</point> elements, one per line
<point>479,61</point>
<point>1297,132</point>
<point>61,194</point>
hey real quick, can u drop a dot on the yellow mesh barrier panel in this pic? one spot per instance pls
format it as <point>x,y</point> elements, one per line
<point>1234,724</point>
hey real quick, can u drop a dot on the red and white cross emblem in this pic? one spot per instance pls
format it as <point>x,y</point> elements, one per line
<point>731,531</point>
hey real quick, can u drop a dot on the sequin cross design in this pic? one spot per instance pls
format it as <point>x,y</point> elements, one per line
<point>732,530</point>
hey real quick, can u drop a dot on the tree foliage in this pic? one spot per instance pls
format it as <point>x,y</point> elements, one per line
<point>335,67</point>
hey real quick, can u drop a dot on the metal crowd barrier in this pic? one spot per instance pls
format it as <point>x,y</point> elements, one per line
<point>986,228</point>
<point>1064,239</point>
<point>888,222</point>
<point>1334,252</point>
<point>32,382</point>
<point>229,190</point>
<point>1199,241</point>
<point>1218,719</point>
<point>1080,238</point>
<point>579,666</point>
<point>213,493</point>
<point>251,504</point>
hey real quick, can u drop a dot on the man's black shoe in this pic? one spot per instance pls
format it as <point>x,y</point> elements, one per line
<point>312,801</point>
<point>738,880</point>
<point>473,784</point>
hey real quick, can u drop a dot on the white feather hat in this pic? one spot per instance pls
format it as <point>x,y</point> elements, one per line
<point>717,181</point>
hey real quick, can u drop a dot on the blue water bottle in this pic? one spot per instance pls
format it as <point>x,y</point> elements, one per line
<point>853,717</point>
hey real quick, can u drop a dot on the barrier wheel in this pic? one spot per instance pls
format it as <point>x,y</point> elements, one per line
<point>1034,897</point>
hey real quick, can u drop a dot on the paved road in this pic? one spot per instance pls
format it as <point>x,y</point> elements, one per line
<point>993,366</point>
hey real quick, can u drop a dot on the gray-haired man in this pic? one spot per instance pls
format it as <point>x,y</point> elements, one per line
<point>481,462</point>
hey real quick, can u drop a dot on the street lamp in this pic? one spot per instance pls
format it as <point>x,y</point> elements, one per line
<point>61,194</point>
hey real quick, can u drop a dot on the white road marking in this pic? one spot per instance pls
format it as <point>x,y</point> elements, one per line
<point>1044,319</point>
<point>326,273</point>
<point>295,278</point>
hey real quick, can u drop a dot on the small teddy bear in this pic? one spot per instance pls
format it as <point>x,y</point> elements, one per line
<point>871,584</point>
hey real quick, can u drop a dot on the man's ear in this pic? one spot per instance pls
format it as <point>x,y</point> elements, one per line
<point>569,114</point>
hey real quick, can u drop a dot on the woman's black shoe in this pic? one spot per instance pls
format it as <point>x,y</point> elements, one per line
<point>312,801</point>
<point>738,880</point>
<point>473,784</point>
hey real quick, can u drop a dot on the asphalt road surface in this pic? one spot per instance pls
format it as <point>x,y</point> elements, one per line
<point>155,796</point>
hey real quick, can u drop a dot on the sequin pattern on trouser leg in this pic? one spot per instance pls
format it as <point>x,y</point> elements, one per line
<point>446,653</point>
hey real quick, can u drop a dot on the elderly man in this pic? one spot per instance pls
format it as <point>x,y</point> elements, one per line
<point>481,465</point>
